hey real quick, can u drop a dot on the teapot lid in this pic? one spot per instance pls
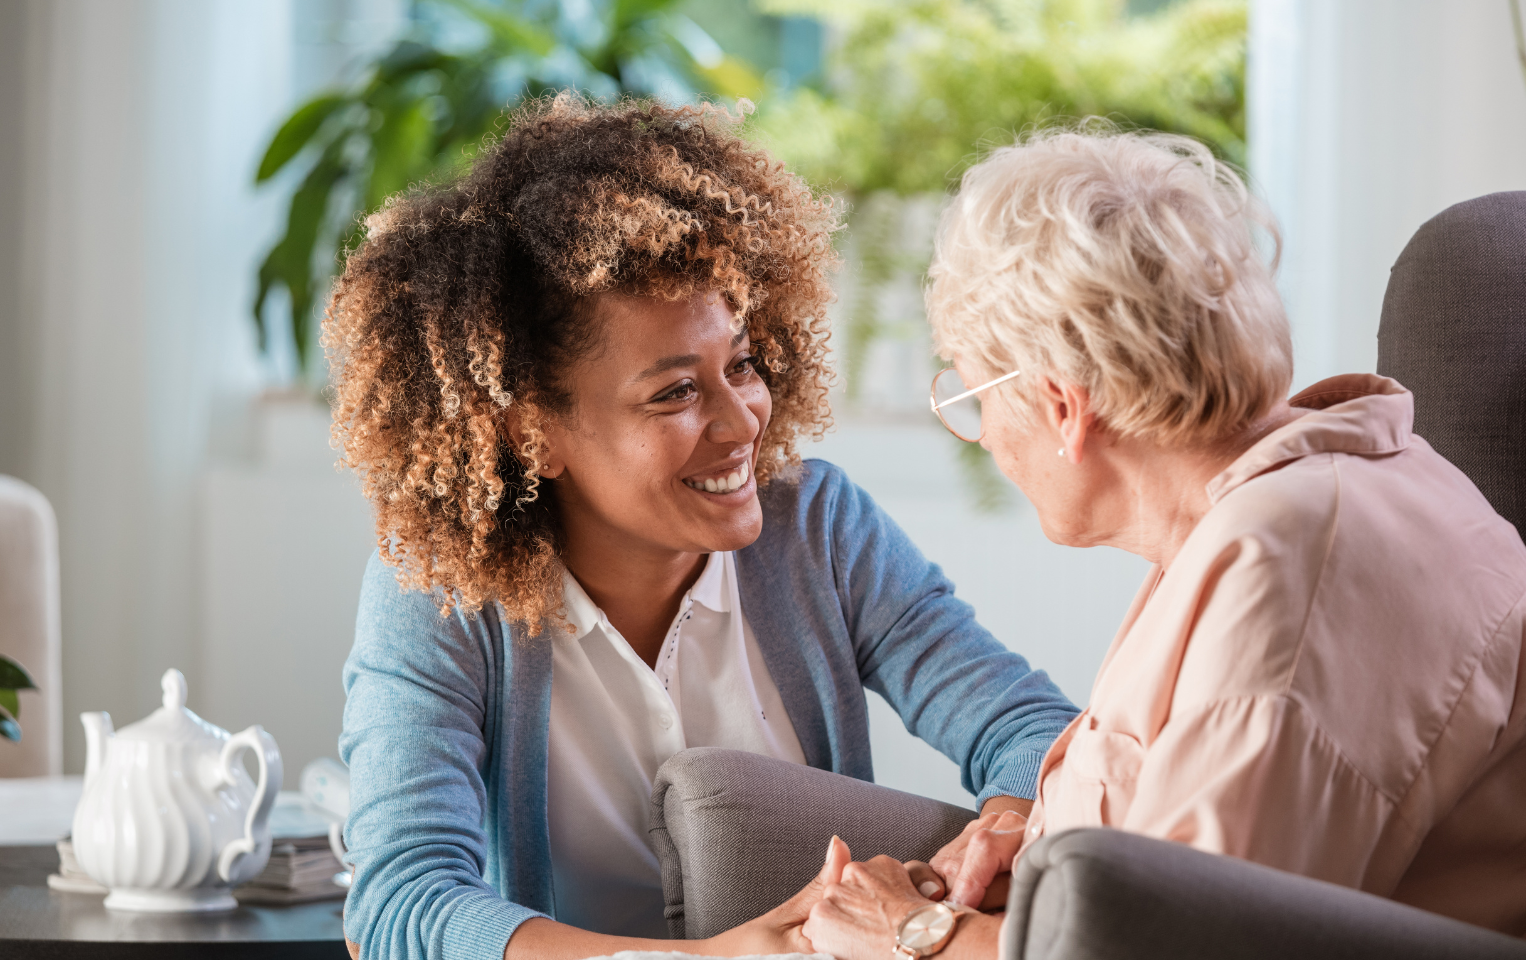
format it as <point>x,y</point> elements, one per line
<point>172,723</point>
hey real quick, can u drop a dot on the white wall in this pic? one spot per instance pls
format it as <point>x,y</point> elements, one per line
<point>283,544</point>
<point>129,281</point>
<point>1367,118</point>
<point>129,362</point>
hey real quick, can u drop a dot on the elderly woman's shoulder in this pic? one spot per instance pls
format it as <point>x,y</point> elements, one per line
<point>1339,524</point>
<point>1298,498</point>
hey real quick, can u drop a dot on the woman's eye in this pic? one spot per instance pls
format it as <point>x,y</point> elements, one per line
<point>744,366</point>
<point>681,392</point>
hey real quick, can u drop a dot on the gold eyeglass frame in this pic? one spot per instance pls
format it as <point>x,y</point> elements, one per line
<point>937,408</point>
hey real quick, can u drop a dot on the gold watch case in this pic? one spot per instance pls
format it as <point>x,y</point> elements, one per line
<point>926,930</point>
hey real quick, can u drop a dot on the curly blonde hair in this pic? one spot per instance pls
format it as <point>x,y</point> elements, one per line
<point>455,316</point>
<point>1125,263</point>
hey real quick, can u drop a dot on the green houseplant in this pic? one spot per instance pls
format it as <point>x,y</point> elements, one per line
<point>1519,28</point>
<point>914,87</point>
<point>421,110</point>
<point>12,678</point>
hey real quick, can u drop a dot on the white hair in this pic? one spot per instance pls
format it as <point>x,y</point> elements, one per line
<point>1124,263</point>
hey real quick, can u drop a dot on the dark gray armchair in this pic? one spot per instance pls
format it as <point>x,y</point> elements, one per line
<point>1454,332</point>
<point>738,834</point>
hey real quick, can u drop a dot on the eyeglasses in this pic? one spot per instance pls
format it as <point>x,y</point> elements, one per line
<point>962,421</point>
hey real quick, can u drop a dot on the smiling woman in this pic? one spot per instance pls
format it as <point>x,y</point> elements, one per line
<point>464,305</point>
<point>572,383</point>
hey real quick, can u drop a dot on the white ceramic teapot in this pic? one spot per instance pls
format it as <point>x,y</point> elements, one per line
<point>170,821</point>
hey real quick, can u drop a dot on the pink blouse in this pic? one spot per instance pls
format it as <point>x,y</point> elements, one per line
<point>1328,678</point>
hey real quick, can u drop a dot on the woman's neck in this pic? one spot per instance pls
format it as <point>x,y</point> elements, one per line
<point>638,590</point>
<point>1166,488</point>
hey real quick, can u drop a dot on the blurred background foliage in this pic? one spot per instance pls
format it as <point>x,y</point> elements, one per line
<point>881,102</point>
<point>422,110</point>
<point>914,88</point>
<point>875,100</point>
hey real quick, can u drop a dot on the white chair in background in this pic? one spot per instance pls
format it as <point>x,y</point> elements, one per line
<point>29,627</point>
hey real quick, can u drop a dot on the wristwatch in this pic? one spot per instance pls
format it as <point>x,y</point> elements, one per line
<point>927,929</point>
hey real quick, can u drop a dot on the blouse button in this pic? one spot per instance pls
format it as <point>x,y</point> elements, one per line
<point>664,720</point>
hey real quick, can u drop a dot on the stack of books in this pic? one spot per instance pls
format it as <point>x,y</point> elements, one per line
<point>70,878</point>
<point>301,870</point>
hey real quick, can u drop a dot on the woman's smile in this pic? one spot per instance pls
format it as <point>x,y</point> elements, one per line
<point>728,482</point>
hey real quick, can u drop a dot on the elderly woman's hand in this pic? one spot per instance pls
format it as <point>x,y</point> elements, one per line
<point>857,917</point>
<point>974,868</point>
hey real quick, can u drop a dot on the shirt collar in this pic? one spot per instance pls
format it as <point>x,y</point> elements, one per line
<point>709,591</point>
<point>1358,413</point>
<point>582,614</point>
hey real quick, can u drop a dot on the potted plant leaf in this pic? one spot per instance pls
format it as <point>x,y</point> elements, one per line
<point>12,678</point>
<point>421,109</point>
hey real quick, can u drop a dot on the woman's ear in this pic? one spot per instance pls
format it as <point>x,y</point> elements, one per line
<point>1067,409</point>
<point>552,461</point>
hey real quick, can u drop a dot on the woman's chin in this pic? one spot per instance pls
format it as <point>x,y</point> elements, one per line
<point>729,521</point>
<point>1061,535</point>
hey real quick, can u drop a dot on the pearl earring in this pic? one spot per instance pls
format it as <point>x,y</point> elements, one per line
<point>1061,451</point>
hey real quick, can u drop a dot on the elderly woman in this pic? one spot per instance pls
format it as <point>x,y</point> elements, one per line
<point>1322,671</point>
<point>573,382</point>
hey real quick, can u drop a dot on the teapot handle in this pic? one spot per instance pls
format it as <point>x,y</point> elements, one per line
<point>269,756</point>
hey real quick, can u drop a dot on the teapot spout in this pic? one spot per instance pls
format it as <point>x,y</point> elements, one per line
<point>98,730</point>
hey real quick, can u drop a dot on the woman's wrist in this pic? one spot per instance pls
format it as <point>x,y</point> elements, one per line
<point>543,939</point>
<point>977,937</point>
<point>1002,803</point>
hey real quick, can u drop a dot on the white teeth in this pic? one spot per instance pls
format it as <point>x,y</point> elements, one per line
<point>731,481</point>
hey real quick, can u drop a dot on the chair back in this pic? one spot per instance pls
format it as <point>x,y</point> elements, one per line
<point>1103,894</point>
<point>1453,331</point>
<point>29,627</point>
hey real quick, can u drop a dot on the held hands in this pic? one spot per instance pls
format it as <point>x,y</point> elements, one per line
<point>857,916</point>
<point>852,910</point>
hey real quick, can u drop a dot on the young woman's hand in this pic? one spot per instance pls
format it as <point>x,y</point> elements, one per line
<point>858,917</point>
<point>779,930</point>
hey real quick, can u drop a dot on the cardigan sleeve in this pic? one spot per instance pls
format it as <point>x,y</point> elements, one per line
<point>953,684</point>
<point>418,692</point>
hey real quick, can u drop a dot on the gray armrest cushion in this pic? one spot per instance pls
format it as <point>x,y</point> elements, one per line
<point>1110,895</point>
<point>737,834</point>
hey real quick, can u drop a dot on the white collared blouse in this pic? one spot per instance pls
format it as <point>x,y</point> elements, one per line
<point>614,720</point>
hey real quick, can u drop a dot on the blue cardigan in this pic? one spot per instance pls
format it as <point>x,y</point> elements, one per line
<point>447,718</point>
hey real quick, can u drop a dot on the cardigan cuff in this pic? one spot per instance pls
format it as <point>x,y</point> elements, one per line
<point>1019,777</point>
<point>480,926</point>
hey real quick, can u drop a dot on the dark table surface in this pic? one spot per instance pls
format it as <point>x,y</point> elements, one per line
<point>37,923</point>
